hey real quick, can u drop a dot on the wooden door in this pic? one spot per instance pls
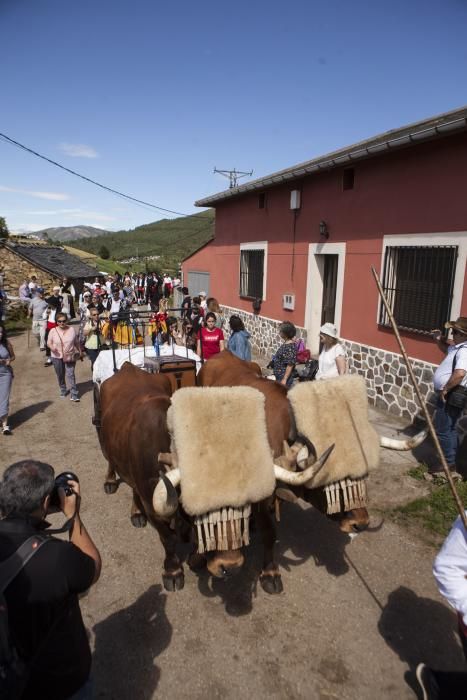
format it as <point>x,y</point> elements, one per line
<point>328,309</point>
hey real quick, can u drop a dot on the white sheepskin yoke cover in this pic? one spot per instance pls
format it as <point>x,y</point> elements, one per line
<point>219,436</point>
<point>336,411</point>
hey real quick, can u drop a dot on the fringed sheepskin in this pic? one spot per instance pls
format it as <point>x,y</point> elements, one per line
<point>220,437</point>
<point>336,411</point>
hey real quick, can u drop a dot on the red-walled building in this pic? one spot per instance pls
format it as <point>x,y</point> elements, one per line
<point>303,240</point>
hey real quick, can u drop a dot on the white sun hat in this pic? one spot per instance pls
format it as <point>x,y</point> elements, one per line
<point>329,329</point>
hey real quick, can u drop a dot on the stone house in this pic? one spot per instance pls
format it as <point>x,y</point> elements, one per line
<point>20,259</point>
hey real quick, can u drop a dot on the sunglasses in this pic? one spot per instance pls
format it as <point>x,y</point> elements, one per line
<point>62,320</point>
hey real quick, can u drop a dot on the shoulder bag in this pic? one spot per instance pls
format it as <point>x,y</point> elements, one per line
<point>457,397</point>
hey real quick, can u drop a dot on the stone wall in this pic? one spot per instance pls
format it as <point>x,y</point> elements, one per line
<point>15,269</point>
<point>264,331</point>
<point>388,383</point>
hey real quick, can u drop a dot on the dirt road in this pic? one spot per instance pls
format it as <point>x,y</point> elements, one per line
<point>353,620</point>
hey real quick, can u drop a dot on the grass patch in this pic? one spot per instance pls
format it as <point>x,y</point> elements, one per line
<point>437,511</point>
<point>15,327</point>
<point>418,472</point>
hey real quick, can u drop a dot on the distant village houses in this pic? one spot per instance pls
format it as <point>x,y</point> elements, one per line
<point>22,258</point>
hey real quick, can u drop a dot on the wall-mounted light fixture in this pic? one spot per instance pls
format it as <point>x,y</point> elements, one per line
<point>256,306</point>
<point>323,229</point>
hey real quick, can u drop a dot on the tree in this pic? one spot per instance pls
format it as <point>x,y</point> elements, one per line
<point>4,232</point>
<point>104,252</point>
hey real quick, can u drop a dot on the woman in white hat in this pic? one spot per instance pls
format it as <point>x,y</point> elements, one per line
<point>332,359</point>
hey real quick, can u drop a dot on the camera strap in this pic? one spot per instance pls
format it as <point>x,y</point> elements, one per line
<point>68,524</point>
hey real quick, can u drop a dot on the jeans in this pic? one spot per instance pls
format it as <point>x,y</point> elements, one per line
<point>92,354</point>
<point>65,372</point>
<point>445,422</point>
<point>85,692</point>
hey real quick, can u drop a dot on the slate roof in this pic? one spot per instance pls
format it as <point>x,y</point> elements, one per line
<point>53,260</point>
<point>411,134</point>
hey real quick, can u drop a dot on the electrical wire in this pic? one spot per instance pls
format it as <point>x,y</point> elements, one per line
<point>94,182</point>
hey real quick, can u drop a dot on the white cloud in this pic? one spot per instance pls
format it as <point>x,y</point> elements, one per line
<point>58,196</point>
<point>78,150</point>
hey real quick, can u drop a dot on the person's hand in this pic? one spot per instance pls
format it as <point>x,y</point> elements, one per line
<point>68,504</point>
<point>443,394</point>
<point>7,361</point>
<point>436,334</point>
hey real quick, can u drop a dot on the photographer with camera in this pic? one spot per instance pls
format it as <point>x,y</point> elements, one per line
<point>45,622</point>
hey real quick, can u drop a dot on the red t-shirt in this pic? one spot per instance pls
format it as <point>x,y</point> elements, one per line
<point>210,341</point>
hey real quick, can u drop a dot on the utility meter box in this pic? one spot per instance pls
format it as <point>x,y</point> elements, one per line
<point>288,302</point>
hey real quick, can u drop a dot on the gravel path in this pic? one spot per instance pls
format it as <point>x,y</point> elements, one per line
<point>353,621</point>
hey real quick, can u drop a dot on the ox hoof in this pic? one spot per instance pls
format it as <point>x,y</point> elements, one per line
<point>110,486</point>
<point>196,561</point>
<point>271,583</point>
<point>173,582</point>
<point>138,520</point>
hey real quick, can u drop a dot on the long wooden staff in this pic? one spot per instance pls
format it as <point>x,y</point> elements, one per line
<point>421,401</point>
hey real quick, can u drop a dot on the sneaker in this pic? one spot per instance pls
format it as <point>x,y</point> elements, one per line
<point>63,395</point>
<point>47,363</point>
<point>42,349</point>
<point>76,399</point>
<point>427,681</point>
<point>7,431</point>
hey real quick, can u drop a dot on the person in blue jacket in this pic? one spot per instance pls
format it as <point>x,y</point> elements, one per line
<point>239,341</point>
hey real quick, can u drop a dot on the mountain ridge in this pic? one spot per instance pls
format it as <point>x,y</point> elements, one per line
<point>69,233</point>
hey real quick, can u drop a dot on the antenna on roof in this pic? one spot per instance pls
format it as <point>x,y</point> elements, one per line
<point>233,175</point>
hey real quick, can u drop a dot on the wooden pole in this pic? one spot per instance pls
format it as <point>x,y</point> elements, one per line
<point>421,401</point>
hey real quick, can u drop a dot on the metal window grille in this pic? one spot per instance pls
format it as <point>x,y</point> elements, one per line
<point>418,282</point>
<point>251,273</point>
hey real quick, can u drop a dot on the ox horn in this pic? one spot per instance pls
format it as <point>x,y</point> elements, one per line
<point>165,497</point>
<point>300,478</point>
<point>408,444</point>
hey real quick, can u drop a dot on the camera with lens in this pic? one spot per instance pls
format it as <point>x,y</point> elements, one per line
<point>61,481</point>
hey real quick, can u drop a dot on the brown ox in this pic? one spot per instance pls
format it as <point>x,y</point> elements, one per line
<point>133,430</point>
<point>225,369</point>
<point>132,433</point>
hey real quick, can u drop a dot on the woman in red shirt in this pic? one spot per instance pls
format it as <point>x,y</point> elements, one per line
<point>210,338</point>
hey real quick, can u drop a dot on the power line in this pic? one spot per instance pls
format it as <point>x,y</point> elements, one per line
<point>93,182</point>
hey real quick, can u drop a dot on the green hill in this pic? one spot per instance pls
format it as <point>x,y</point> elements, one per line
<point>171,239</point>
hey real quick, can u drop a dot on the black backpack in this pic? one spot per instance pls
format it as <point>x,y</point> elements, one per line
<point>14,671</point>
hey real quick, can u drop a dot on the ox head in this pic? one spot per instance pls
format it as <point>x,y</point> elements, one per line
<point>165,496</point>
<point>221,534</point>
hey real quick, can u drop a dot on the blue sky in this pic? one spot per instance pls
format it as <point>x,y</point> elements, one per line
<point>147,97</point>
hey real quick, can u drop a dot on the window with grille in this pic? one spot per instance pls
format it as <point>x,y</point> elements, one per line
<point>252,273</point>
<point>418,282</point>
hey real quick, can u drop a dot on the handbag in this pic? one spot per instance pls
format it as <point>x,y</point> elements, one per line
<point>303,356</point>
<point>457,397</point>
<point>308,372</point>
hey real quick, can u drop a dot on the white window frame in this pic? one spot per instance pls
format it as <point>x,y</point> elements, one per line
<point>455,238</point>
<point>259,245</point>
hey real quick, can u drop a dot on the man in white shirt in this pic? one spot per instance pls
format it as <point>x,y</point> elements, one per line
<point>451,374</point>
<point>450,572</point>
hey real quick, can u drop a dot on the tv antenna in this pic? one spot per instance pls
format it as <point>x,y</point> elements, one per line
<point>233,175</point>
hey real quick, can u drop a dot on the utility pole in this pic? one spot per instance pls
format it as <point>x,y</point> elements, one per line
<point>233,175</point>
